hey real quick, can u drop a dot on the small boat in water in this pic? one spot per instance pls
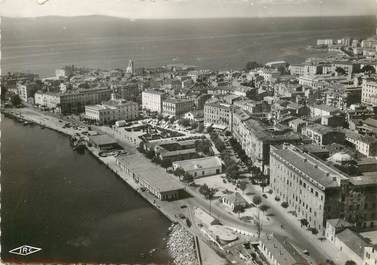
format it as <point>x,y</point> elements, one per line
<point>152,251</point>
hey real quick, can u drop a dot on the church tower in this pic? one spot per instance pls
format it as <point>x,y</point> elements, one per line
<point>130,68</point>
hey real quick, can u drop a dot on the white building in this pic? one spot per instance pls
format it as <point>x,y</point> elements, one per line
<point>368,92</point>
<point>48,100</point>
<point>370,255</point>
<point>327,42</point>
<point>200,167</point>
<point>152,100</point>
<point>111,111</point>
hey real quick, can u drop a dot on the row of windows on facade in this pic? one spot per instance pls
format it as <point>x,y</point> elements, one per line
<point>297,179</point>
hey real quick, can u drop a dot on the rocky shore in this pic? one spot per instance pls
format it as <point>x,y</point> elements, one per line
<point>181,246</point>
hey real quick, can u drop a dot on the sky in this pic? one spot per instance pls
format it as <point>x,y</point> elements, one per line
<point>187,8</point>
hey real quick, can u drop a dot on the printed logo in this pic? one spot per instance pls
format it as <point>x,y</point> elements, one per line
<point>25,250</point>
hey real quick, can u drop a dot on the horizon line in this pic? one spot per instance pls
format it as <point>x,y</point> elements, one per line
<point>187,18</point>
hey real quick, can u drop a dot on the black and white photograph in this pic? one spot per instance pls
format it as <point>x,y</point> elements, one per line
<point>188,132</point>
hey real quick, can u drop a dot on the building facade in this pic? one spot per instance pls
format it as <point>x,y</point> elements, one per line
<point>218,115</point>
<point>176,107</point>
<point>310,187</point>
<point>111,111</point>
<point>152,100</point>
<point>368,92</point>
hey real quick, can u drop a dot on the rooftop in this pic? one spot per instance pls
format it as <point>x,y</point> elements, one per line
<point>150,173</point>
<point>269,133</point>
<point>317,172</point>
<point>176,101</point>
<point>205,162</point>
<point>367,179</point>
<point>339,223</point>
<point>354,241</point>
<point>153,92</point>
<point>325,107</point>
<point>321,129</point>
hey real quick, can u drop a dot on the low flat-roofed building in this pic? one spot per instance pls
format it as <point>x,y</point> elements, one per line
<point>279,251</point>
<point>309,186</point>
<point>176,155</point>
<point>200,167</point>
<point>103,142</point>
<point>152,177</point>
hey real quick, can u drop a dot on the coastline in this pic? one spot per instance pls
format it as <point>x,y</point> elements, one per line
<point>39,119</point>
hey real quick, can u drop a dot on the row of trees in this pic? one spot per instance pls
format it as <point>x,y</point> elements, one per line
<point>217,141</point>
<point>207,192</point>
<point>183,175</point>
<point>203,146</point>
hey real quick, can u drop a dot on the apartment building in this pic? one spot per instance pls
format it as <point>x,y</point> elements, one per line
<point>47,100</point>
<point>256,138</point>
<point>128,91</point>
<point>218,115</point>
<point>310,187</point>
<point>323,135</point>
<point>75,102</point>
<point>176,107</point>
<point>111,111</point>
<point>26,90</point>
<point>366,145</point>
<point>72,102</point>
<point>152,100</point>
<point>369,92</point>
